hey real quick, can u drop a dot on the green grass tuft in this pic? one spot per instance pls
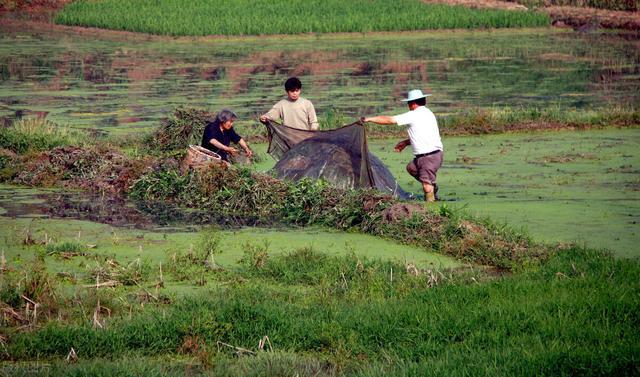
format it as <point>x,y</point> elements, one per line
<point>38,134</point>
<point>575,314</point>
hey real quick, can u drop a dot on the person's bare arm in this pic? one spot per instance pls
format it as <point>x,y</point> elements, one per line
<point>273,114</point>
<point>402,145</point>
<point>223,147</point>
<point>244,146</point>
<point>381,119</point>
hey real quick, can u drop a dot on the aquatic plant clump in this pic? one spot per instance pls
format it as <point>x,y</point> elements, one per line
<point>183,128</point>
<point>245,17</point>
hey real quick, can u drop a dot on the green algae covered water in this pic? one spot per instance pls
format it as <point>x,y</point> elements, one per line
<point>115,227</point>
<point>120,86</point>
<point>565,186</point>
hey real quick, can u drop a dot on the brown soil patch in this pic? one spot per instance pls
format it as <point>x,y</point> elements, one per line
<point>584,19</point>
<point>403,211</point>
<point>41,10</point>
<point>32,6</point>
<point>579,18</point>
<point>478,4</point>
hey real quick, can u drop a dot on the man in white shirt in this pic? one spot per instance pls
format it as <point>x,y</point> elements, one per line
<point>424,138</point>
<point>294,111</point>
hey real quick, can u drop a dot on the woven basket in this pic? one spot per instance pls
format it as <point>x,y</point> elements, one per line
<point>201,158</point>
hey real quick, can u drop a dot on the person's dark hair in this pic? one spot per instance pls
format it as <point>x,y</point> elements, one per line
<point>420,101</point>
<point>292,84</point>
<point>223,116</point>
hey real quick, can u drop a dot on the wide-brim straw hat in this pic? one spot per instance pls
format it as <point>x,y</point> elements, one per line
<point>414,95</point>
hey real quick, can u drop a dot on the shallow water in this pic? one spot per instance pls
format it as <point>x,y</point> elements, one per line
<point>124,86</point>
<point>25,203</point>
<point>116,227</point>
<point>561,186</point>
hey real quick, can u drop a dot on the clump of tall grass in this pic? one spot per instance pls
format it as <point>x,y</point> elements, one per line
<point>27,295</point>
<point>106,270</point>
<point>65,248</point>
<point>198,259</point>
<point>175,17</point>
<point>38,134</point>
<point>184,127</point>
<point>493,120</point>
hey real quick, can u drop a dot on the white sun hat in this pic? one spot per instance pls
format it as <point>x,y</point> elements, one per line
<point>414,95</point>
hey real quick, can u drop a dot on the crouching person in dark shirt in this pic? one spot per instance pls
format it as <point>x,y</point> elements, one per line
<point>219,134</point>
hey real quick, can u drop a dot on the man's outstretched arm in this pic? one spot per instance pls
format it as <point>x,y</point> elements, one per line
<point>381,119</point>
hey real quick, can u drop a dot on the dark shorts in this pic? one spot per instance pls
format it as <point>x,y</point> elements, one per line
<point>424,168</point>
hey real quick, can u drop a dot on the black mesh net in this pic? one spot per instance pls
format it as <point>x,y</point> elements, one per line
<point>340,157</point>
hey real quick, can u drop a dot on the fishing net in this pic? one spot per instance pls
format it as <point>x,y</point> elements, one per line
<point>340,157</point>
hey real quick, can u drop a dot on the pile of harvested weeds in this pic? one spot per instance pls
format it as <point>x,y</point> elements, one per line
<point>266,200</point>
<point>185,127</point>
<point>97,169</point>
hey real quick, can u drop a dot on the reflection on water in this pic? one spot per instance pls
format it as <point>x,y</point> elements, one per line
<point>18,202</point>
<point>120,86</point>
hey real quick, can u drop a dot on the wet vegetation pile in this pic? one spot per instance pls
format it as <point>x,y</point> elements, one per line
<point>239,193</point>
<point>179,18</point>
<point>183,128</point>
<point>98,168</point>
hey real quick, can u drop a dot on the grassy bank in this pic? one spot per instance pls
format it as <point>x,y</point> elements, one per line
<point>176,17</point>
<point>322,315</point>
<point>495,120</point>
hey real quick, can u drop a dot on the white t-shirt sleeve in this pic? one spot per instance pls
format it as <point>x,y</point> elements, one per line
<point>404,119</point>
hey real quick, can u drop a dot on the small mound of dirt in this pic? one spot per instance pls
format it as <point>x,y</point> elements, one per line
<point>587,19</point>
<point>481,4</point>
<point>402,211</point>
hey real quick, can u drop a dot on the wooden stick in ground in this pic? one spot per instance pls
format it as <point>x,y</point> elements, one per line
<point>239,350</point>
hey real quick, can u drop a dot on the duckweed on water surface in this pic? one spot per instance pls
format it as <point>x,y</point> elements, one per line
<point>125,87</point>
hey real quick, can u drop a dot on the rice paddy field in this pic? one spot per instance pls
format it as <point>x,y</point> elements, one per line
<point>125,87</point>
<point>114,261</point>
<point>263,17</point>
